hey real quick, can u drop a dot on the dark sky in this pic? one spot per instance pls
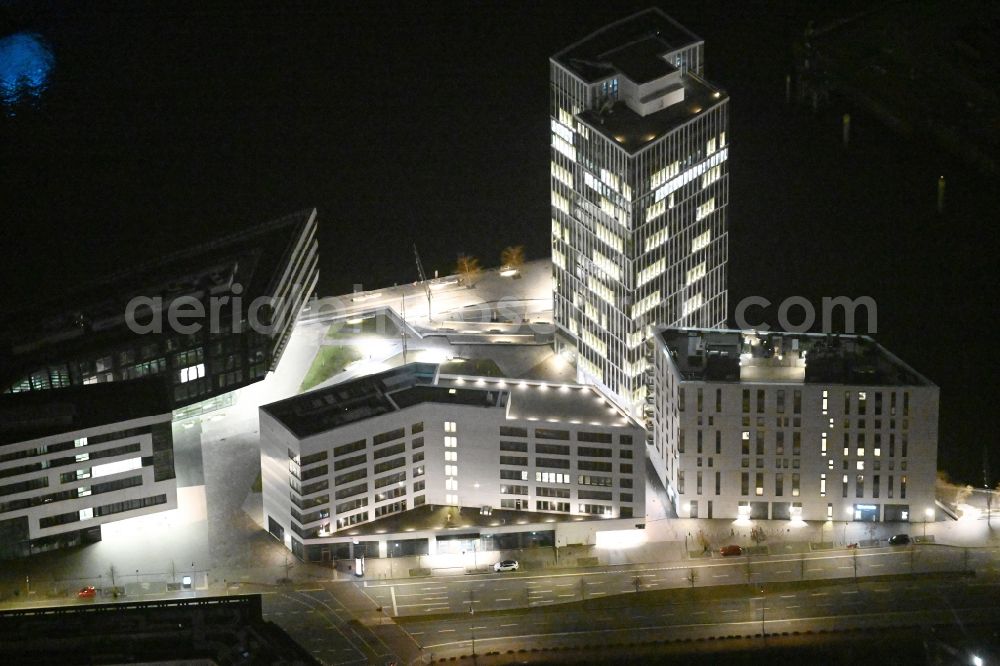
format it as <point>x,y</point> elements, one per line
<point>167,124</point>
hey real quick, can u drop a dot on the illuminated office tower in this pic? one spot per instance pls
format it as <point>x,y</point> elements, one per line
<point>639,196</point>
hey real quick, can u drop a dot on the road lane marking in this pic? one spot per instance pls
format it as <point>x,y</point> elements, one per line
<point>792,607</point>
<point>720,575</point>
<point>787,596</point>
<point>567,595</point>
<point>512,624</point>
<point>848,591</point>
<point>445,631</point>
<point>820,594</point>
<point>784,571</point>
<point>503,599</point>
<point>730,610</point>
<point>392,591</point>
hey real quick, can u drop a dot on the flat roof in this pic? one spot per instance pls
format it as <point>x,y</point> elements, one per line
<point>549,402</point>
<point>416,383</point>
<point>91,315</point>
<point>633,132</point>
<point>606,51</point>
<point>775,356</point>
<point>36,414</point>
<point>348,402</point>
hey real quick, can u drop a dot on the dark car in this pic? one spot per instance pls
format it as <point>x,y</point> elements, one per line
<point>899,540</point>
<point>731,550</point>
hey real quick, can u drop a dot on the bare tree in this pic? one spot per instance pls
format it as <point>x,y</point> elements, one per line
<point>512,258</point>
<point>113,575</point>
<point>468,270</point>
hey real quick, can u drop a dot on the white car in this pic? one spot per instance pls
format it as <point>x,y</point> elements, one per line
<point>506,565</point>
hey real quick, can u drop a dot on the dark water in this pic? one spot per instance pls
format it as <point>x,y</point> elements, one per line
<point>162,125</point>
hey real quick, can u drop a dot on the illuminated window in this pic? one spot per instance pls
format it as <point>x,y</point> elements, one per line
<point>449,426</point>
<point>451,500</point>
<point>193,372</point>
<point>116,467</point>
<point>450,441</point>
<point>80,442</point>
<point>822,485</point>
<point>704,209</point>
<point>451,484</point>
<point>86,514</point>
<point>560,202</point>
<point>696,273</point>
<point>701,241</point>
<point>451,456</point>
<point>650,272</point>
<point>562,175</point>
<point>693,303</point>
<point>646,304</point>
<point>451,470</point>
<point>657,239</point>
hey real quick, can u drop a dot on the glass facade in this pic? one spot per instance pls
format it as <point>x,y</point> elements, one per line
<point>639,234</point>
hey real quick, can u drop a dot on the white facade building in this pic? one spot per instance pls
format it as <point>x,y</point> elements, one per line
<point>72,459</point>
<point>639,196</point>
<point>336,459</point>
<point>791,426</point>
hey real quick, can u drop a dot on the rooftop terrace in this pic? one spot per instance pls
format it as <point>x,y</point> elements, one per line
<point>813,358</point>
<point>607,50</point>
<point>553,403</point>
<point>633,131</point>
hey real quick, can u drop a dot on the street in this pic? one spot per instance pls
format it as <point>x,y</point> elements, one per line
<point>501,591</point>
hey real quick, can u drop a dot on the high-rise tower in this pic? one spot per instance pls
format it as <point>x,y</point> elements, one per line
<point>639,196</point>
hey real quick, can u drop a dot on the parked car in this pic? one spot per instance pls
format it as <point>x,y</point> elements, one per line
<point>899,540</point>
<point>506,565</point>
<point>731,550</point>
<point>87,592</point>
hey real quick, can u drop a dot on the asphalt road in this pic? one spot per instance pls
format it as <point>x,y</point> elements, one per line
<point>501,591</point>
<point>322,620</point>
<point>819,607</point>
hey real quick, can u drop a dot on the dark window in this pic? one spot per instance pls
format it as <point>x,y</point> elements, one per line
<point>384,437</point>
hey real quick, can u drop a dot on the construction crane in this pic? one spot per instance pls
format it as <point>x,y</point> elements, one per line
<point>423,279</point>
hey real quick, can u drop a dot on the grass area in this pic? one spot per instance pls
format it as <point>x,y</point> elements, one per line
<point>378,324</point>
<point>329,361</point>
<point>485,367</point>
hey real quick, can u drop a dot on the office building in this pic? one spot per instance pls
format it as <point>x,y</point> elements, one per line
<point>72,459</point>
<point>250,288</point>
<point>639,196</point>
<point>791,426</point>
<point>337,460</point>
